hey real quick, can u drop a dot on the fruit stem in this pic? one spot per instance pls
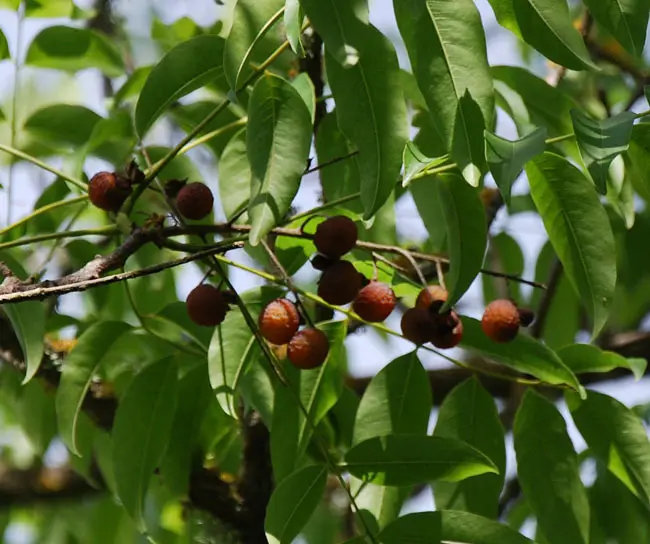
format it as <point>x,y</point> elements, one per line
<point>101,231</point>
<point>44,209</point>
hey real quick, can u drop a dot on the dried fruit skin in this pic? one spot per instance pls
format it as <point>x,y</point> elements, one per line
<point>448,333</point>
<point>417,325</point>
<point>108,191</point>
<point>206,306</point>
<point>336,236</point>
<point>308,348</point>
<point>340,283</point>
<point>375,302</point>
<point>195,201</point>
<point>501,321</point>
<point>279,321</point>
<point>433,293</point>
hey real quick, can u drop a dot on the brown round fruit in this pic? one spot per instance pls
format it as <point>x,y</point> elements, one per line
<point>206,306</point>
<point>340,283</point>
<point>336,236</point>
<point>501,321</point>
<point>195,201</point>
<point>108,191</point>
<point>308,348</point>
<point>433,293</point>
<point>448,332</point>
<point>279,321</point>
<point>417,325</point>
<point>375,302</point>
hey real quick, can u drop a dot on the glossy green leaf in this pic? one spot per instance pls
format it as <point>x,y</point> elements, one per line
<point>507,159</point>
<point>173,323</point>
<point>4,47</point>
<point>363,74</point>
<point>582,358</point>
<point>415,162</point>
<point>79,369</point>
<point>616,436</point>
<point>626,20</point>
<point>293,17</point>
<point>293,502</point>
<point>234,176</point>
<point>251,21</point>
<point>143,422</point>
<point>74,49</point>
<point>466,232</point>
<point>638,159</point>
<point>467,146</point>
<point>278,139</point>
<point>446,46</point>
<point>48,8</point>
<point>318,391</point>
<point>600,141</point>
<point>63,123</point>
<point>449,526</point>
<point>504,12</point>
<point>572,213</point>
<point>10,4</point>
<point>132,87</point>
<point>469,413</point>
<point>233,346</point>
<point>187,67</point>
<point>548,471</point>
<point>428,202</point>
<point>524,354</point>
<point>546,25</point>
<point>409,459</point>
<point>28,322</point>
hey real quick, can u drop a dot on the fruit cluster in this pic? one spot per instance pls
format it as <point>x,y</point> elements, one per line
<point>279,323</point>
<point>340,282</point>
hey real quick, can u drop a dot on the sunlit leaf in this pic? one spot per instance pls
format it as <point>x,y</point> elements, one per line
<point>63,123</point>
<point>582,358</point>
<point>467,146</point>
<point>626,20</point>
<point>293,17</point>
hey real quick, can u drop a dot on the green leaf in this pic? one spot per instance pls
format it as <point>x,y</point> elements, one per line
<point>467,146</point>
<point>305,88</point>
<point>469,413</point>
<point>293,502</point>
<point>638,159</point>
<point>79,368</point>
<point>318,391</point>
<point>63,123</point>
<point>4,47</point>
<point>626,20</point>
<point>507,158</point>
<point>74,49</point>
<point>616,436</point>
<point>449,526</point>
<point>415,162</point>
<point>278,139</point>
<point>466,232</point>
<point>581,358</point>
<point>293,17</point>
<point>48,8</point>
<point>173,323</point>
<point>10,4</point>
<point>572,213</point>
<point>600,141</point>
<point>233,346</point>
<point>28,321</point>
<point>504,12</point>
<point>234,176</point>
<point>397,400</point>
<point>428,201</point>
<point>548,471</point>
<point>409,459</point>
<point>132,87</point>
<point>143,422</point>
<point>546,25</point>
<point>252,19</point>
<point>524,354</point>
<point>187,67</point>
<point>446,45</point>
<point>363,73</point>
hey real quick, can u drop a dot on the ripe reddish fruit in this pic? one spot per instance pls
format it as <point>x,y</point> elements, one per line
<point>501,321</point>
<point>195,201</point>
<point>108,191</point>
<point>279,321</point>
<point>417,325</point>
<point>433,293</point>
<point>340,283</point>
<point>336,236</point>
<point>308,348</point>
<point>375,302</point>
<point>206,305</point>
<point>448,331</point>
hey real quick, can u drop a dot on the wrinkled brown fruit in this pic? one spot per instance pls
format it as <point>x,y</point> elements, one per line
<point>195,201</point>
<point>501,321</point>
<point>417,325</point>
<point>279,321</point>
<point>108,191</point>
<point>308,349</point>
<point>375,302</point>
<point>206,306</point>
<point>336,236</point>
<point>340,283</point>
